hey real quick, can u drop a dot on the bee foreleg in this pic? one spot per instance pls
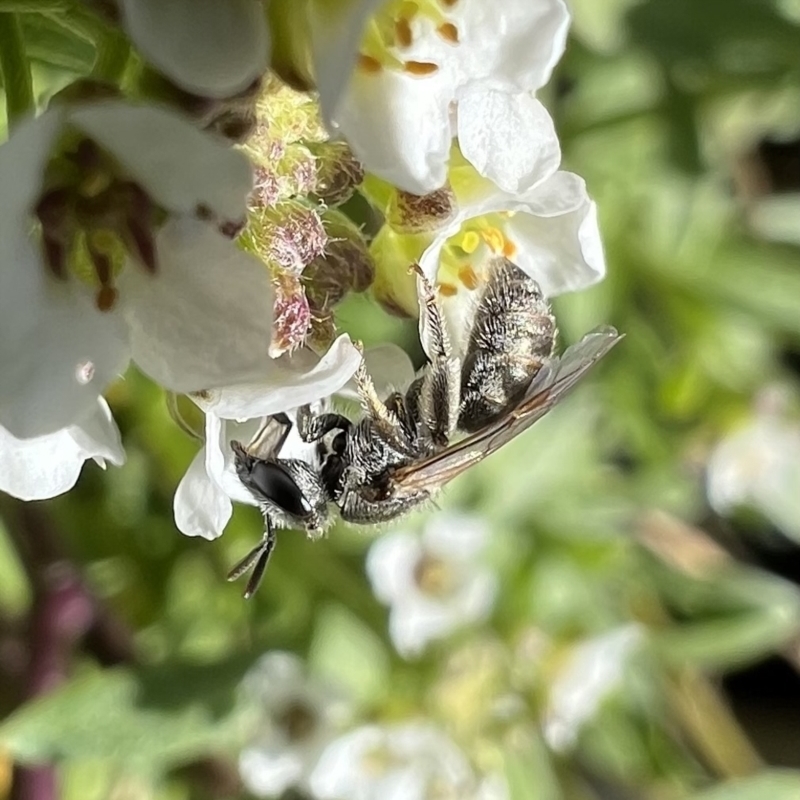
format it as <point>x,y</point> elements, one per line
<point>385,419</point>
<point>313,427</point>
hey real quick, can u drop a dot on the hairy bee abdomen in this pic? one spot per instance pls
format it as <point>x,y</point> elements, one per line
<point>512,336</point>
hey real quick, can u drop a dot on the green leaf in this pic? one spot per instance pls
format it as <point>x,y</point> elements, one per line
<point>770,785</point>
<point>151,718</point>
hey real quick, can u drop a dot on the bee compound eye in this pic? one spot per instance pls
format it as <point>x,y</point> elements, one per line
<point>277,486</point>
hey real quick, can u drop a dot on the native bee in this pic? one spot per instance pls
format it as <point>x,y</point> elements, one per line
<point>401,451</point>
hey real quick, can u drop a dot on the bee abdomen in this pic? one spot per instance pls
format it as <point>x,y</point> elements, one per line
<point>512,336</point>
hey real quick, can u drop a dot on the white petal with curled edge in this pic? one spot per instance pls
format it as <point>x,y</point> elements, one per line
<point>291,381</point>
<point>22,161</point>
<point>390,565</point>
<point>405,141</point>
<point>99,436</point>
<point>212,48</point>
<point>564,252</point>
<point>205,319</point>
<point>201,507</point>
<point>336,31</point>
<point>180,166</point>
<point>71,353</point>
<point>508,138</point>
<point>49,465</point>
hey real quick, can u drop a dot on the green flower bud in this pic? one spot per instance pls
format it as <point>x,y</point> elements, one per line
<point>395,287</point>
<point>412,213</point>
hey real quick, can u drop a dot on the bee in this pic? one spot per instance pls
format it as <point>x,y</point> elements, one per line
<point>403,449</point>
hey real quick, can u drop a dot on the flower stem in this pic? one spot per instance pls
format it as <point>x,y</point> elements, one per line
<point>113,52</point>
<point>15,68</point>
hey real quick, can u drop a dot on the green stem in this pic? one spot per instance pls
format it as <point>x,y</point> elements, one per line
<point>113,51</point>
<point>16,69</point>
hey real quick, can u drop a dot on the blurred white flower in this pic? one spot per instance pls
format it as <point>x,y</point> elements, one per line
<point>434,582</point>
<point>194,312</point>
<point>759,466</point>
<point>298,717</point>
<point>49,465</point>
<point>213,48</point>
<point>594,670</point>
<point>413,761</point>
<point>203,500</point>
<point>422,73</point>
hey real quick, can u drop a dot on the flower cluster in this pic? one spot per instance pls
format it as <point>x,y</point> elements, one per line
<point>137,231</point>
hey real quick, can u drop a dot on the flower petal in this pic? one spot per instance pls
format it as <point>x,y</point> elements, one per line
<point>563,252</point>
<point>179,165</point>
<point>405,141</point>
<point>291,381</point>
<point>508,45</point>
<point>70,353</point>
<point>336,30</point>
<point>49,465</point>
<point>205,319</point>
<point>390,369</point>
<point>22,162</point>
<point>213,48</point>
<point>508,138</point>
<point>201,507</point>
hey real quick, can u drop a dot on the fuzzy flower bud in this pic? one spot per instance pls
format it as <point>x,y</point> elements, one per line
<point>292,316</point>
<point>338,172</point>
<point>412,213</point>
<point>287,237</point>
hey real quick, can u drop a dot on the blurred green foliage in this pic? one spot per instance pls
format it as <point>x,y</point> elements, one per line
<point>599,513</point>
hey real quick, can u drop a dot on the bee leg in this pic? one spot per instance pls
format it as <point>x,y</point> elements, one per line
<point>258,556</point>
<point>313,427</point>
<point>355,508</point>
<point>385,419</point>
<point>439,395</point>
<point>270,437</point>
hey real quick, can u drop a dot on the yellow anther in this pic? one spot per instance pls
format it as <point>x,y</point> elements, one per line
<point>494,238</point>
<point>368,63</point>
<point>402,32</point>
<point>448,3</point>
<point>469,277</point>
<point>448,32</point>
<point>470,241</point>
<point>419,67</point>
<point>509,249</point>
<point>447,289</point>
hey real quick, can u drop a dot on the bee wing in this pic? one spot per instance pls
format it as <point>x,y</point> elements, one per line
<point>549,385</point>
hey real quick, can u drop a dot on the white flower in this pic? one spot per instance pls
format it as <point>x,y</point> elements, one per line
<point>434,583</point>
<point>203,499</point>
<point>298,717</point>
<point>413,761</point>
<point>49,465</point>
<point>425,72</point>
<point>759,466</point>
<point>213,48</point>
<point>594,670</point>
<point>550,232</point>
<point>197,315</point>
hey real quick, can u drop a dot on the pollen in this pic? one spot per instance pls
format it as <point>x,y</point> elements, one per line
<point>420,67</point>
<point>402,32</point>
<point>470,242</point>
<point>494,238</point>
<point>448,32</point>
<point>447,289</point>
<point>368,64</point>
<point>448,3</point>
<point>509,249</point>
<point>469,277</point>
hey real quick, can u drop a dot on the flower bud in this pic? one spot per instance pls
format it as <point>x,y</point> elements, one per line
<point>339,173</point>
<point>394,287</point>
<point>287,237</point>
<point>292,316</point>
<point>412,213</point>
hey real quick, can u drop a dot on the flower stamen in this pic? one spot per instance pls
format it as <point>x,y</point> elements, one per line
<point>448,32</point>
<point>420,67</point>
